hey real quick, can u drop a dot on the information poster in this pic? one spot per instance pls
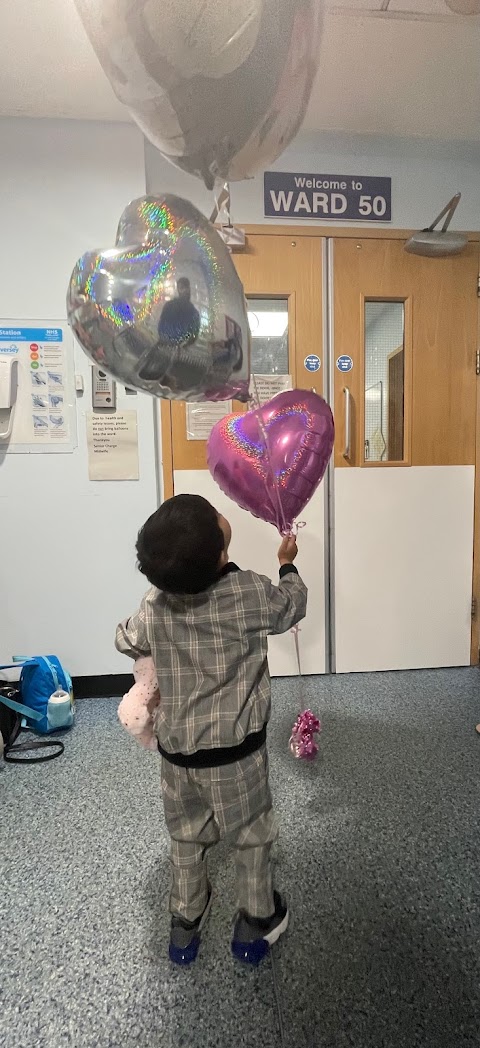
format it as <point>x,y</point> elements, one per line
<point>112,442</point>
<point>43,413</point>
<point>202,417</point>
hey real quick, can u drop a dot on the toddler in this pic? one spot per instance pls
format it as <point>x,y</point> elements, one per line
<point>205,624</point>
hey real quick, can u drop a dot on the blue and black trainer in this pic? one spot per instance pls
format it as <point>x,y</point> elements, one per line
<point>185,936</point>
<point>253,936</point>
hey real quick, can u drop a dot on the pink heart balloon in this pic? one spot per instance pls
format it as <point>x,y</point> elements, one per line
<point>271,460</point>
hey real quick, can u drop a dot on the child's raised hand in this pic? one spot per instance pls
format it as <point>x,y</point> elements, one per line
<point>288,550</point>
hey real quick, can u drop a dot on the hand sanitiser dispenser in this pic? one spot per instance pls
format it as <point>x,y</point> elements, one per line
<point>8,394</point>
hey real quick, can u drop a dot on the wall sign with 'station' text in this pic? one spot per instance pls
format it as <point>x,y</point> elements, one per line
<point>352,198</point>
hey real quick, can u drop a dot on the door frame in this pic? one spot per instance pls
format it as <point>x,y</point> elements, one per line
<point>475,644</point>
<point>164,416</point>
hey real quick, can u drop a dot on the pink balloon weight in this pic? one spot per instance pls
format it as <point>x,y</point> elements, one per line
<point>271,460</point>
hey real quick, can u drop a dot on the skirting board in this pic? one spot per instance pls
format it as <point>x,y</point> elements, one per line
<point>102,686</point>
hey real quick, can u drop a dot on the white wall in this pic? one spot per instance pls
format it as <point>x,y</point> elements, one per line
<point>425,174</point>
<point>67,545</point>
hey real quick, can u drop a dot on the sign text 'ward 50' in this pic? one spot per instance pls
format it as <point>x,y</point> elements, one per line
<point>350,197</point>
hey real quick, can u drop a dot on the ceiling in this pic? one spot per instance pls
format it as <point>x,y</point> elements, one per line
<point>412,69</point>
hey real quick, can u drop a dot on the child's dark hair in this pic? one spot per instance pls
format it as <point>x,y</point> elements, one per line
<point>180,545</point>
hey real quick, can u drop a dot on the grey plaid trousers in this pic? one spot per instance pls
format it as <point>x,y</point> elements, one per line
<point>204,805</point>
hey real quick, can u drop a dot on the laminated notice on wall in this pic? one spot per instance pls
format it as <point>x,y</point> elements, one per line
<point>112,442</point>
<point>202,417</point>
<point>267,386</point>
<point>43,412</point>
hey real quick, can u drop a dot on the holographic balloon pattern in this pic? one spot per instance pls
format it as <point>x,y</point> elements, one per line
<point>164,310</point>
<point>271,460</point>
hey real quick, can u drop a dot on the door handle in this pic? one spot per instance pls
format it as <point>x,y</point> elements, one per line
<point>348,423</point>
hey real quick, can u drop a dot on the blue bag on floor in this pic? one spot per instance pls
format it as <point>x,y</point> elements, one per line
<point>46,689</point>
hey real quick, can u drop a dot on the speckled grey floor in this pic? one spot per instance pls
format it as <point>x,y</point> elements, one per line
<point>379,856</point>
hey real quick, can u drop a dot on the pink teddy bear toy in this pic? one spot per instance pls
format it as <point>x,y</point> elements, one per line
<point>137,709</point>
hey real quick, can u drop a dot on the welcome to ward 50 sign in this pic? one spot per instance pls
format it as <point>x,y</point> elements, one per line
<point>350,197</point>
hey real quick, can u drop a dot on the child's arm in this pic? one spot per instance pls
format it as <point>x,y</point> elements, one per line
<point>287,602</point>
<point>131,637</point>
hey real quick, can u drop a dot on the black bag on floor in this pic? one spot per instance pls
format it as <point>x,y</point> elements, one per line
<point>11,712</point>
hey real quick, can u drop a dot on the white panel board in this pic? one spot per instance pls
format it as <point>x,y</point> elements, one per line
<point>254,545</point>
<point>403,567</point>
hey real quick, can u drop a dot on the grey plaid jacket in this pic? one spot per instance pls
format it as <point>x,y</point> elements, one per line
<point>210,654</point>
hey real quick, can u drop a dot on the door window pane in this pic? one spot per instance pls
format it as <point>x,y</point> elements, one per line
<point>268,319</point>
<point>384,381</point>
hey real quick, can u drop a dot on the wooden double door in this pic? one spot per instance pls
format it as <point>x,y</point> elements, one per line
<point>390,340</point>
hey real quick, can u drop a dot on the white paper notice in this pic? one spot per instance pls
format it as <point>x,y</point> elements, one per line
<point>267,386</point>
<point>112,442</point>
<point>202,417</point>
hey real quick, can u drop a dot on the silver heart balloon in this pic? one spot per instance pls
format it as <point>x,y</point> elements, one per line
<point>219,86</point>
<point>164,310</point>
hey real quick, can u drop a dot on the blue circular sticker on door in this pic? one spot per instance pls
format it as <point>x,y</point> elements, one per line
<point>344,363</point>
<point>312,362</point>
